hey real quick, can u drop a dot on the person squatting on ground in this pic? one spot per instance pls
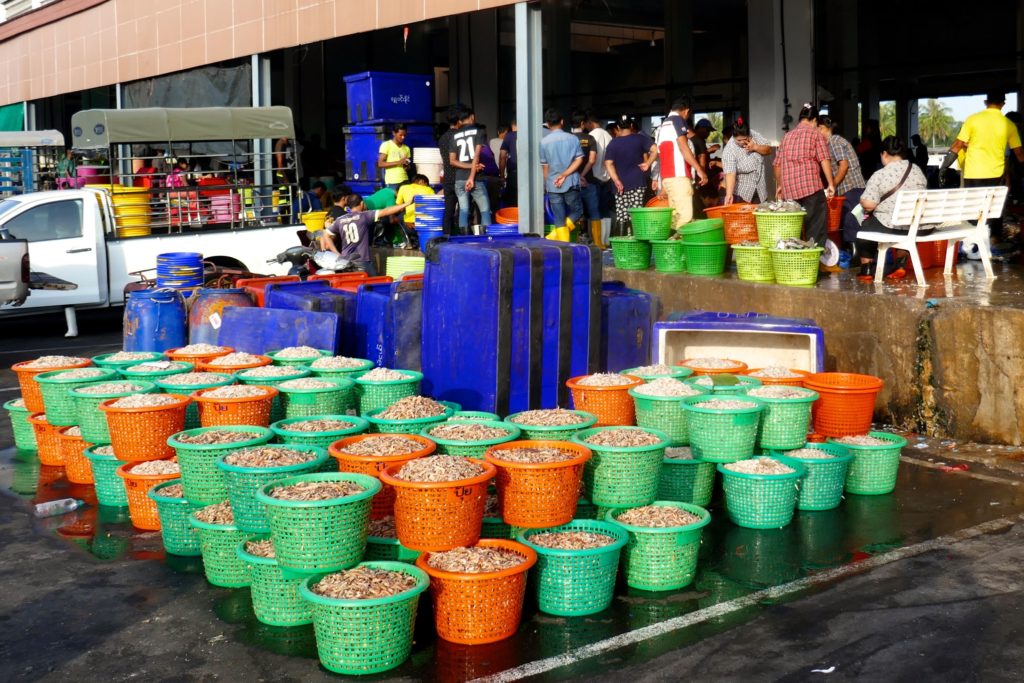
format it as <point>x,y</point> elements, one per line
<point>678,164</point>
<point>802,157</point>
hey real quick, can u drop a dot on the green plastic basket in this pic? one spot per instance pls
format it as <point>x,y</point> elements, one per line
<point>102,362</point>
<point>110,489</point>
<point>322,439</point>
<point>59,406</point>
<point>687,481</point>
<point>319,535</point>
<point>414,426</point>
<point>178,367</point>
<point>796,267</point>
<point>350,373</point>
<point>873,469</point>
<point>707,230</point>
<point>277,404</point>
<point>373,395</point>
<point>762,501</point>
<point>706,258</point>
<point>25,475</point>
<point>358,637</point>
<point>179,537</point>
<point>308,402</point>
<point>630,253</point>
<point>585,509</point>
<point>24,434</point>
<point>91,419</point>
<point>572,583</point>
<point>472,449</point>
<point>662,559</point>
<point>822,486</point>
<point>167,385</point>
<point>203,482</point>
<point>557,433</point>
<point>675,372</point>
<point>753,264</point>
<point>664,413</point>
<point>476,415</point>
<point>389,550</point>
<point>621,477</point>
<point>297,362</point>
<point>218,543</point>
<point>495,527</point>
<point>669,256</point>
<point>244,482</point>
<point>744,384</point>
<point>275,598</point>
<point>651,223</point>
<point>774,226</point>
<point>722,435</point>
<point>785,421</point>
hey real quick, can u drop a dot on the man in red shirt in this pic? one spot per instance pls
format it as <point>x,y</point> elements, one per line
<point>802,157</point>
<point>678,165</point>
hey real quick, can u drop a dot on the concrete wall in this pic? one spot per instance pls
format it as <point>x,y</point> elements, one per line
<point>954,370</point>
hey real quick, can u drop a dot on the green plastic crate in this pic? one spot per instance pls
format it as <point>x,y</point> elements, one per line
<point>218,543</point>
<point>753,264</point>
<point>356,637</point>
<point>471,449</point>
<point>794,267</point>
<point>687,481</point>
<point>662,559</point>
<point>307,402</point>
<point>762,501</point>
<point>664,413</point>
<point>323,439</point>
<point>297,362</point>
<point>722,435</point>
<point>706,258</point>
<point>59,406</point>
<point>350,373</point>
<point>320,535</point>
<point>244,482</point>
<point>277,405</point>
<point>774,226</point>
<point>179,537</point>
<point>24,434</point>
<point>822,486</point>
<point>375,395</point>
<point>651,223</point>
<point>389,550</point>
<point>785,421</point>
<point>203,482</point>
<point>275,599</point>
<point>110,489</point>
<point>873,469</point>
<point>177,368</point>
<point>572,583</point>
<point>168,386</point>
<point>563,433</point>
<point>621,477</point>
<point>91,419</point>
<point>704,231</point>
<point>630,253</point>
<point>669,256</point>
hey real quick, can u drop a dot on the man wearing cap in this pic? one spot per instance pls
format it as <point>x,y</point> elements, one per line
<point>678,165</point>
<point>985,136</point>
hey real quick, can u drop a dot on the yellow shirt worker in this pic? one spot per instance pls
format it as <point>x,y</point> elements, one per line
<point>420,185</point>
<point>394,157</point>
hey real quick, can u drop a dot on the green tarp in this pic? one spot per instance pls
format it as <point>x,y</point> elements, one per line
<point>12,117</point>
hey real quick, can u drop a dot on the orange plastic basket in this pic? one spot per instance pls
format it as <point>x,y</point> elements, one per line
<point>47,440</point>
<point>835,213</point>
<point>142,508</point>
<point>248,410</point>
<point>142,433</point>
<point>538,495</point>
<point>613,405</point>
<point>257,286</point>
<point>339,279</point>
<point>657,203</point>
<point>384,500</point>
<point>72,448</point>
<point>196,358</point>
<point>442,515</point>
<point>204,366</point>
<point>30,388</point>
<point>48,474</point>
<point>846,402</point>
<point>507,216</point>
<point>740,225</point>
<point>779,381</point>
<point>714,211</point>
<point>479,608</point>
<point>739,368</point>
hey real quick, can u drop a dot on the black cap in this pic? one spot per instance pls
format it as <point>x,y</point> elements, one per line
<point>995,98</point>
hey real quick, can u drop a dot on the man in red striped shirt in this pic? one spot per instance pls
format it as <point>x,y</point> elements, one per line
<point>678,165</point>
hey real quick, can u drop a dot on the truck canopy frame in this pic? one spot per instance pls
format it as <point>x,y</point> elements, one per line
<point>94,129</point>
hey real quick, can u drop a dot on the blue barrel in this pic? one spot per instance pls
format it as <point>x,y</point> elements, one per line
<point>206,312</point>
<point>179,270</point>
<point>154,320</point>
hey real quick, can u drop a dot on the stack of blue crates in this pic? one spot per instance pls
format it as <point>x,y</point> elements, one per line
<point>376,101</point>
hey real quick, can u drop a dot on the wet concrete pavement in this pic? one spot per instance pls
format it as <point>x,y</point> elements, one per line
<point>865,588</point>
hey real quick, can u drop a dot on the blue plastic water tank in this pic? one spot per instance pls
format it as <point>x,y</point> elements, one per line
<point>362,145</point>
<point>378,96</point>
<point>154,320</point>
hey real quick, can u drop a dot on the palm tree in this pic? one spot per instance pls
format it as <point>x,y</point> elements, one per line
<point>935,123</point>
<point>887,119</point>
<point>716,120</point>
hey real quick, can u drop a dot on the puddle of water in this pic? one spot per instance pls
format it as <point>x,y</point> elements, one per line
<point>733,562</point>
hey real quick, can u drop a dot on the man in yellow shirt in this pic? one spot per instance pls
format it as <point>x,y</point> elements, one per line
<point>407,194</point>
<point>985,136</point>
<point>394,157</point>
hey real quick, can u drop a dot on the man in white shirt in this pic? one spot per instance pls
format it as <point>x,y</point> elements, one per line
<point>679,167</point>
<point>600,173</point>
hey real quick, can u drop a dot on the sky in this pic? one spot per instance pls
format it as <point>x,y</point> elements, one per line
<point>962,107</point>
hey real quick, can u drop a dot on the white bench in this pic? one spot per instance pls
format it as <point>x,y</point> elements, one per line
<point>949,210</point>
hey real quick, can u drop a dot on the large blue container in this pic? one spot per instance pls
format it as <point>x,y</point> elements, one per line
<point>318,297</point>
<point>627,317</point>
<point>364,188</point>
<point>206,312</point>
<point>378,96</point>
<point>389,324</point>
<point>362,146</point>
<point>154,320</point>
<point>179,270</point>
<point>258,330</point>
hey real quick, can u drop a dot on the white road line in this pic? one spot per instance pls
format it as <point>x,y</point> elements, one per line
<point>721,609</point>
<point>962,473</point>
<point>11,389</point>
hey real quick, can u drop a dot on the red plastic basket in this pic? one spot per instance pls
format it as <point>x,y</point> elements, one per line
<point>846,402</point>
<point>835,213</point>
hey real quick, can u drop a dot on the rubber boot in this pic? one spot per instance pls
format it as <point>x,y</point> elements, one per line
<point>606,231</point>
<point>595,234</point>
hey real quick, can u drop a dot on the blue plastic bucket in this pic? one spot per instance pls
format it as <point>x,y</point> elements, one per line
<point>154,320</point>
